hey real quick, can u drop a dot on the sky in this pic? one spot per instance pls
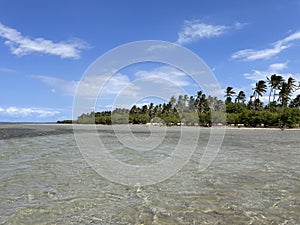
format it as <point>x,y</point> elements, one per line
<point>47,46</point>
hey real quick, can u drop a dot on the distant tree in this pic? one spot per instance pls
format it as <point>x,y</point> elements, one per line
<point>274,83</point>
<point>229,93</point>
<point>191,104</point>
<point>180,103</point>
<point>241,97</point>
<point>295,103</point>
<point>259,89</point>
<point>286,91</point>
<point>172,101</point>
<point>201,103</point>
<point>215,104</point>
<point>185,99</point>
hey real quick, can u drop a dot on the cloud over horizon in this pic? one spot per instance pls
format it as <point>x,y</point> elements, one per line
<point>20,45</point>
<point>21,112</point>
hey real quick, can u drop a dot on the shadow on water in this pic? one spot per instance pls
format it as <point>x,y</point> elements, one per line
<point>17,132</point>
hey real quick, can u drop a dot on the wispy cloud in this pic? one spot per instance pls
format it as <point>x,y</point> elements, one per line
<point>122,89</point>
<point>7,70</point>
<point>239,25</point>
<point>18,112</point>
<point>118,83</point>
<point>20,45</point>
<point>194,30</point>
<point>277,47</point>
<point>89,87</point>
<point>275,68</point>
<point>168,73</point>
<point>65,87</point>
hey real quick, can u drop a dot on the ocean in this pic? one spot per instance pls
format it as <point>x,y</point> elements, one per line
<point>47,177</point>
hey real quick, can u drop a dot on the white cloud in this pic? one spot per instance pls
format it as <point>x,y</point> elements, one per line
<point>65,87</point>
<point>119,83</point>
<point>290,38</point>
<point>13,111</point>
<point>251,54</point>
<point>20,45</point>
<point>171,74</point>
<point>239,25</point>
<point>155,47</point>
<point>7,70</point>
<point>278,46</point>
<point>194,30</point>
<point>89,86</point>
<point>275,68</point>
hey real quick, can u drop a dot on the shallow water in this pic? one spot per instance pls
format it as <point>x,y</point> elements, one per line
<point>255,179</point>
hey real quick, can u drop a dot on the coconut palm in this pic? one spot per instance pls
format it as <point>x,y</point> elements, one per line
<point>229,92</point>
<point>295,103</point>
<point>274,83</point>
<point>291,83</point>
<point>260,88</point>
<point>201,102</point>
<point>241,97</point>
<point>286,91</point>
<point>191,104</point>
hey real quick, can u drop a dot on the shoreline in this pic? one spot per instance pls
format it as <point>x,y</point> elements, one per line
<point>3,124</point>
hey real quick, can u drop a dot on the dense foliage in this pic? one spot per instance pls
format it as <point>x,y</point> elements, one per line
<point>280,111</point>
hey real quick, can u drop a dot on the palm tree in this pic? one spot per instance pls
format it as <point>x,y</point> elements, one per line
<point>241,97</point>
<point>295,103</point>
<point>284,94</point>
<point>191,104</point>
<point>260,88</point>
<point>229,92</point>
<point>291,83</point>
<point>274,83</point>
<point>201,102</point>
<point>286,91</point>
<point>180,103</point>
<point>172,101</point>
<point>185,99</point>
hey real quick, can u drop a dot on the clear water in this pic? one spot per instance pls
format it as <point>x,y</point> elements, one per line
<point>44,179</point>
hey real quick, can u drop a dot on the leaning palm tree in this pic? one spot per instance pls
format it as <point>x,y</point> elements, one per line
<point>274,83</point>
<point>260,88</point>
<point>229,92</point>
<point>241,97</point>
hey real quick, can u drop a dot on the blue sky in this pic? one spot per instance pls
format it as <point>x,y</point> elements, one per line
<point>46,46</point>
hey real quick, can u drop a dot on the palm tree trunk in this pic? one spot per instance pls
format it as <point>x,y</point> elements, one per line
<point>270,97</point>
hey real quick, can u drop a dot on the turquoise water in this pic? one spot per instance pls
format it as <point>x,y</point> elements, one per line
<point>255,179</point>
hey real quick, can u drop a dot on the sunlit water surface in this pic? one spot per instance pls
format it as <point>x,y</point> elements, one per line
<point>255,179</point>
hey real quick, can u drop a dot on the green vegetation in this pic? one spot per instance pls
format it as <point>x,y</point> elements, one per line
<point>202,110</point>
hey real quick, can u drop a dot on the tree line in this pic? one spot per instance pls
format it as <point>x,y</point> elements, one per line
<point>281,109</point>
